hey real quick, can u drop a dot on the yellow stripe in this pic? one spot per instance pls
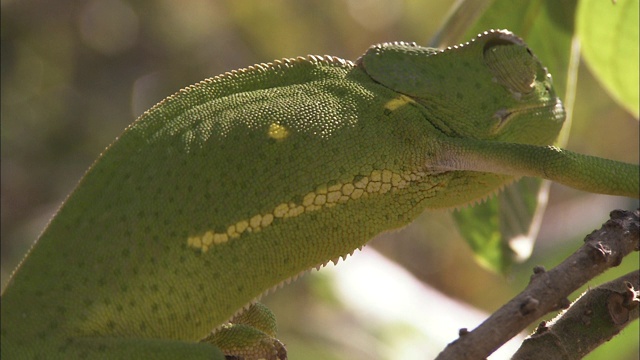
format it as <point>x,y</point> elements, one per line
<point>325,196</point>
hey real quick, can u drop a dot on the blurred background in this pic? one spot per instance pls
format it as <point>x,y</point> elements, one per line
<point>76,73</point>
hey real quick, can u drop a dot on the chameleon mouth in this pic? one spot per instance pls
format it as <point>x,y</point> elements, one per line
<point>555,108</point>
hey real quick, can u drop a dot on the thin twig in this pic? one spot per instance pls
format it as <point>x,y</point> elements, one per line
<point>548,291</point>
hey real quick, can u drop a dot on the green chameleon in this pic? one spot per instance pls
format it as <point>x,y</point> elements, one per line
<point>244,181</point>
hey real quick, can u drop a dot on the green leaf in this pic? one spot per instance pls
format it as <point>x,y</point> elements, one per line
<point>478,226</point>
<point>608,31</point>
<point>502,229</point>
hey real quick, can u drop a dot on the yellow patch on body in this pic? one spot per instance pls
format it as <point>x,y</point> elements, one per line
<point>278,132</point>
<point>395,103</point>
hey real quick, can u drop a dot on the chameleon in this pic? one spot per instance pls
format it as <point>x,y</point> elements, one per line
<point>242,182</point>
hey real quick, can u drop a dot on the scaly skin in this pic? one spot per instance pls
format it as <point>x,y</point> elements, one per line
<point>235,184</point>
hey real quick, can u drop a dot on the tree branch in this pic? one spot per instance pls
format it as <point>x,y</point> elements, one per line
<point>548,291</point>
<point>597,316</point>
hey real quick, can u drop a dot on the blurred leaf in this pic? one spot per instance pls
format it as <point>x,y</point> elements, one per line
<point>477,225</point>
<point>459,21</point>
<point>522,205</point>
<point>503,229</point>
<point>608,31</point>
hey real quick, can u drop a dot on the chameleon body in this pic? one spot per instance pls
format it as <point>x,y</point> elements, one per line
<point>236,184</point>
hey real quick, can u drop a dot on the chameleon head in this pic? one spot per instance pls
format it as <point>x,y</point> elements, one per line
<point>492,87</point>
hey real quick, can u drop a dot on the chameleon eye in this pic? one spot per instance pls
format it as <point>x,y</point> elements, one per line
<point>513,65</point>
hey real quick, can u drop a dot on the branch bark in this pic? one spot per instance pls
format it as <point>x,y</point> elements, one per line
<point>548,291</point>
<point>597,316</point>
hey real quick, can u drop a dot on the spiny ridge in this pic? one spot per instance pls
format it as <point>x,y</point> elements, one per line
<point>503,34</point>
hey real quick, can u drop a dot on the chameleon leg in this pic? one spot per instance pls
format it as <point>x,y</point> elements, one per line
<point>250,336</point>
